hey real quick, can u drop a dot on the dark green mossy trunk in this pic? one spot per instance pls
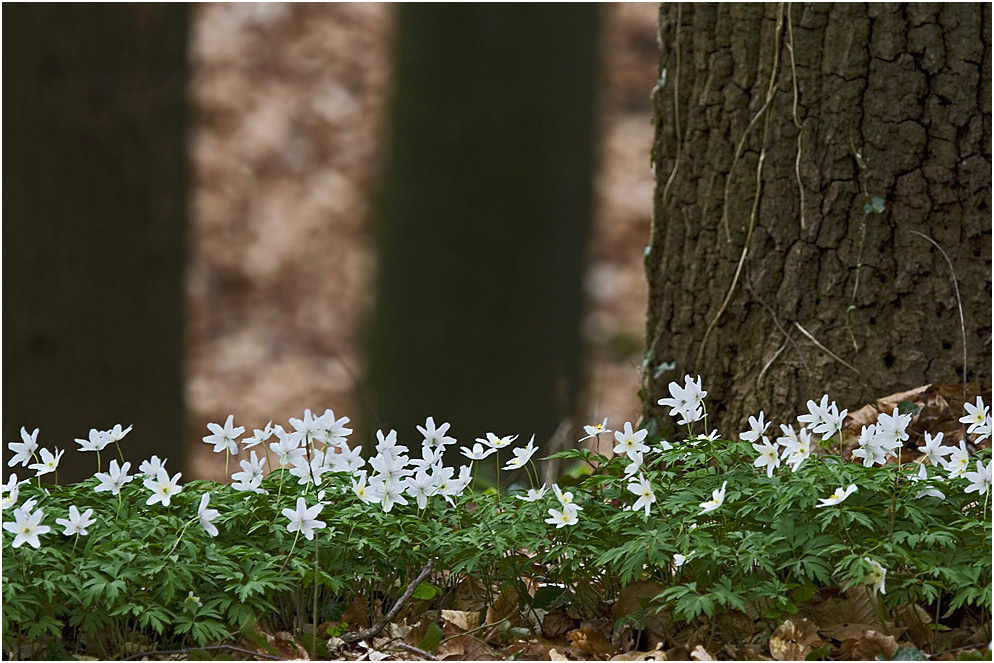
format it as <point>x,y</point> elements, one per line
<point>95,209</point>
<point>484,217</point>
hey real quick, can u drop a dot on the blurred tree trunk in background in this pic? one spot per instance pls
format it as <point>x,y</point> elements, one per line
<point>799,150</point>
<point>95,208</point>
<point>484,214</point>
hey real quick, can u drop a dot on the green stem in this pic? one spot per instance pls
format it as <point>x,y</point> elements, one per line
<point>181,534</point>
<point>314,615</point>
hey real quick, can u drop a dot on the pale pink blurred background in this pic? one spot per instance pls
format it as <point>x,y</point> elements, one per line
<point>290,103</point>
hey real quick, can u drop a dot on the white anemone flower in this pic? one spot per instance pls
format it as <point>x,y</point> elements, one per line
<point>877,576</point>
<point>206,515</point>
<point>96,441</point>
<point>495,442</point>
<point>116,434</point>
<point>304,519</point>
<point>114,478</point>
<point>478,452</point>
<point>421,486</point>
<point>23,450</point>
<point>521,456</point>
<point>933,449</point>
<point>364,492</point>
<point>768,456</point>
<point>568,516</point>
<point>27,527</point>
<point>976,416</point>
<point>258,436</point>
<point>630,442</point>
<point>595,430</point>
<point>717,499</point>
<point>534,494</point>
<point>980,481</point>
<point>959,461</point>
<point>646,498</point>
<point>840,495</point>
<point>224,438</point>
<point>77,522</point>
<point>49,462</point>
<point>163,488</point>
<point>757,426</point>
<point>565,498</point>
<point>435,437</point>
<point>686,401</point>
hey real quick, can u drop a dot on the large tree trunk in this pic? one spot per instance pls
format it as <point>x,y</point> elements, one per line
<point>772,273</point>
<point>485,208</point>
<point>95,209</point>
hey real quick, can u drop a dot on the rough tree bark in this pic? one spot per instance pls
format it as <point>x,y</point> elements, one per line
<point>94,221</point>
<point>773,271</point>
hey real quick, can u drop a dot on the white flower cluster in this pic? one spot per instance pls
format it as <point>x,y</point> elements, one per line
<point>877,443</point>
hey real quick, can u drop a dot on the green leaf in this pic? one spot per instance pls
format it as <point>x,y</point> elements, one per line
<point>432,639</point>
<point>909,654</point>
<point>875,206</point>
<point>907,407</point>
<point>425,591</point>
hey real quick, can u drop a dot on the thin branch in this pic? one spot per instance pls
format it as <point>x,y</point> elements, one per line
<point>826,350</point>
<point>959,303</point>
<point>387,618</point>
<point>770,93</point>
<point>169,652</point>
<point>414,650</point>
<point>762,373</point>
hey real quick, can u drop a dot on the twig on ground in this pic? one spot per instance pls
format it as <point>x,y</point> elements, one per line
<point>187,650</point>
<point>414,650</point>
<point>373,630</point>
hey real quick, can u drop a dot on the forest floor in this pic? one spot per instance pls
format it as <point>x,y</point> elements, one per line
<point>290,104</point>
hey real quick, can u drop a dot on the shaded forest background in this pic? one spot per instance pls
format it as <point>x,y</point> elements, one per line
<point>291,105</point>
<point>284,110</point>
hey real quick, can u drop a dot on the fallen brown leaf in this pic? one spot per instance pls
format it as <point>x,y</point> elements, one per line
<point>842,632</point>
<point>556,623</point>
<point>455,645</point>
<point>701,654</point>
<point>654,655</point>
<point>356,616</point>
<point>657,625</point>
<point>794,640</point>
<point>871,646</point>
<point>592,643</point>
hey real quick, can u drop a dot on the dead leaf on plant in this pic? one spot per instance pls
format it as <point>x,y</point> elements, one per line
<point>913,617</point>
<point>355,615</point>
<point>506,607</point>
<point>471,594</point>
<point>794,640</point>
